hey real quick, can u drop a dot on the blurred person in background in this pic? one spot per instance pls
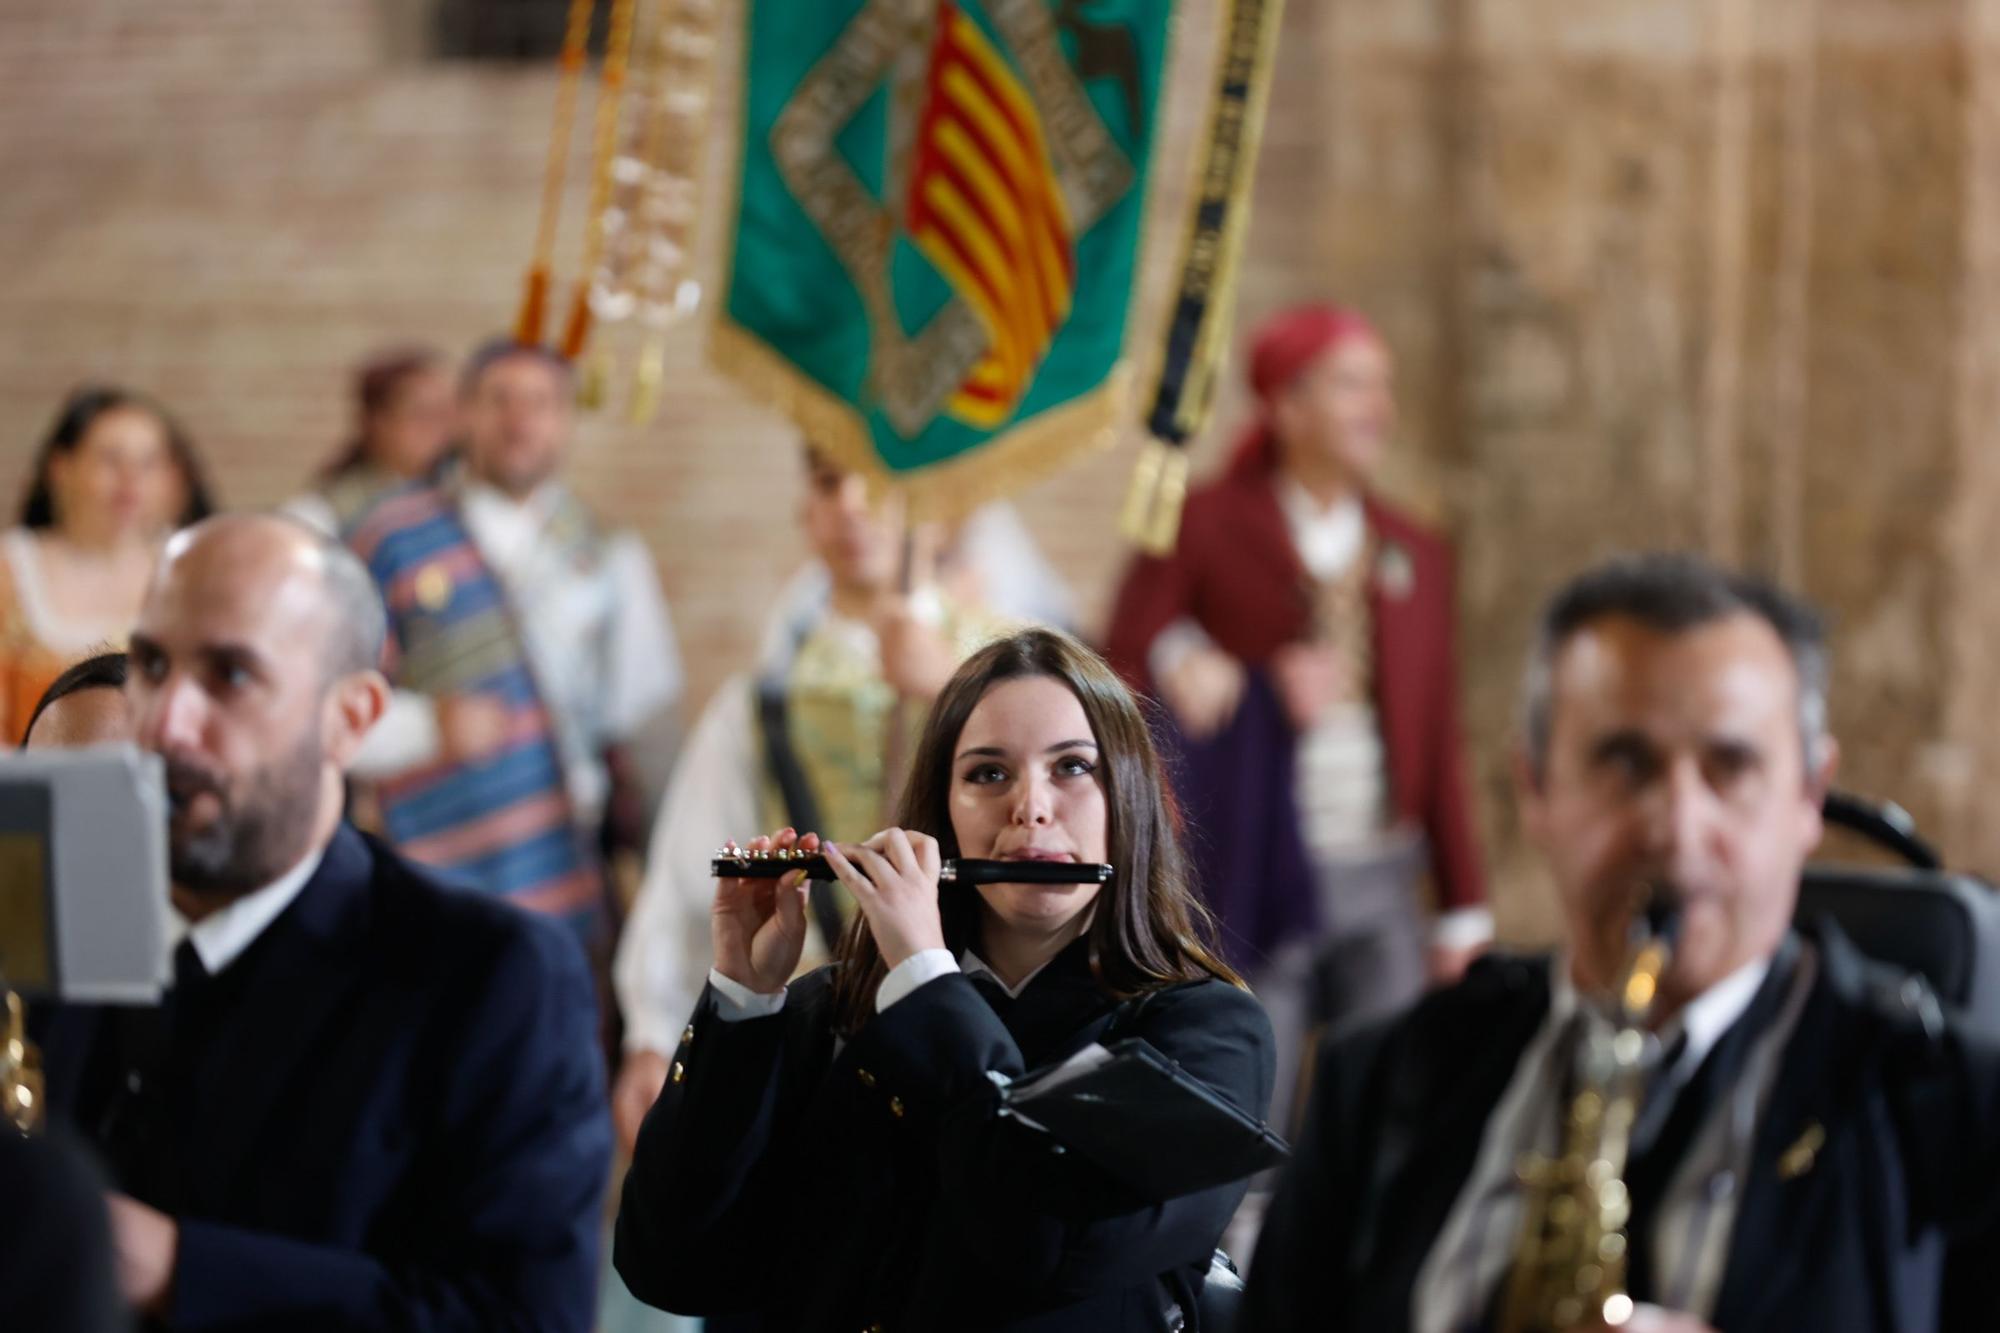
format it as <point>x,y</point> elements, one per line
<point>1806,1131</point>
<point>1302,637</point>
<point>801,739</point>
<point>113,477</point>
<point>540,643</point>
<point>406,416</point>
<point>988,559</point>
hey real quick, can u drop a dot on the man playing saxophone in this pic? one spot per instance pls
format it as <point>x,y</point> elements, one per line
<point>1812,1130</point>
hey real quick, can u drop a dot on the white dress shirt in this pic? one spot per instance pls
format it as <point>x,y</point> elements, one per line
<point>735,1001</point>
<point>220,938</point>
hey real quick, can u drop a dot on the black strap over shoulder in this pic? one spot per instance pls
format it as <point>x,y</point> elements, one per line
<point>801,808</point>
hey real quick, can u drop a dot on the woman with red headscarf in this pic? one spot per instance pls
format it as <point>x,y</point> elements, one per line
<point>1301,637</point>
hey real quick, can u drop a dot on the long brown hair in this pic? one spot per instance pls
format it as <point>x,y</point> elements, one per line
<point>77,415</point>
<point>376,385</point>
<point>1149,930</point>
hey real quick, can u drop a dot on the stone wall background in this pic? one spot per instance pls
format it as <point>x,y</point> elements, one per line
<point>1718,275</point>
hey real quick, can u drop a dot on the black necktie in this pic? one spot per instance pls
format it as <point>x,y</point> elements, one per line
<point>190,973</point>
<point>136,1127</point>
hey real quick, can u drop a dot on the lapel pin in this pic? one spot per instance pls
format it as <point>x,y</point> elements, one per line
<point>433,587</point>
<point>1395,575</point>
<point>1798,1159</point>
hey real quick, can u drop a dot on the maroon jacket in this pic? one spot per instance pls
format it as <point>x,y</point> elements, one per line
<point>1237,574</point>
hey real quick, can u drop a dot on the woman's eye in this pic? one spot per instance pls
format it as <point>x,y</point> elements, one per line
<point>985,773</point>
<point>1074,766</point>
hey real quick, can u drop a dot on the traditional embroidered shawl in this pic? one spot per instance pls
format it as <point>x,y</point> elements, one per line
<point>506,822</point>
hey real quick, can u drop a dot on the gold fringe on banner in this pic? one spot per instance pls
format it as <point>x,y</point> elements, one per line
<point>1198,326</point>
<point>944,491</point>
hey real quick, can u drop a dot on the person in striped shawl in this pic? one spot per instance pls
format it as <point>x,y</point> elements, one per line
<point>540,642</point>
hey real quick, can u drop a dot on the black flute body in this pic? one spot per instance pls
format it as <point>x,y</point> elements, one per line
<point>730,863</point>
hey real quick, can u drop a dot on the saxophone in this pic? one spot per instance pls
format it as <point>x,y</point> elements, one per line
<point>20,1069</point>
<point>1569,1262</point>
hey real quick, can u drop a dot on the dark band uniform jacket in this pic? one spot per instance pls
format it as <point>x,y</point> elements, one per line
<point>1848,1236</point>
<point>388,1113</point>
<point>843,1186</point>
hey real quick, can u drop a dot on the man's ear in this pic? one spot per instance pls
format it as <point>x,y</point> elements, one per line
<point>1819,781</point>
<point>1527,790</point>
<point>354,705</point>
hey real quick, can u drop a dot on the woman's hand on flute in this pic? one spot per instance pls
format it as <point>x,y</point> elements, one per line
<point>894,878</point>
<point>759,925</point>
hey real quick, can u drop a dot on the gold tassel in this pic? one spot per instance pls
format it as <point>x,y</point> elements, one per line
<point>647,380</point>
<point>595,381</point>
<point>1165,530</point>
<point>576,331</point>
<point>534,302</point>
<point>1151,519</point>
<point>1133,519</point>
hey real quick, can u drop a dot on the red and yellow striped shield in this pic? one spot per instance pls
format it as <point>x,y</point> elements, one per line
<point>985,207</point>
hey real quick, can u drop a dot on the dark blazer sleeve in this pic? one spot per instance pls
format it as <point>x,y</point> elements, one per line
<point>1305,1239</point>
<point>1943,1088</point>
<point>713,1166</point>
<point>55,1241</point>
<point>1050,1226</point>
<point>523,1152</point>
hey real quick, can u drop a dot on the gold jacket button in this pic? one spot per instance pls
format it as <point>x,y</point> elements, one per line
<point>680,1072</point>
<point>896,1106</point>
<point>867,1079</point>
<point>687,1035</point>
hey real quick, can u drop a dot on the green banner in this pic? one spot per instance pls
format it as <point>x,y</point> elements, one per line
<point>937,230</point>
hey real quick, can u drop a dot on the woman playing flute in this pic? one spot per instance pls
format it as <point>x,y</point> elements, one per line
<point>829,1152</point>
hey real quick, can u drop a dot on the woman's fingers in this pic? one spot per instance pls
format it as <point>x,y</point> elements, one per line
<point>791,901</point>
<point>872,863</point>
<point>901,854</point>
<point>857,883</point>
<point>930,857</point>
